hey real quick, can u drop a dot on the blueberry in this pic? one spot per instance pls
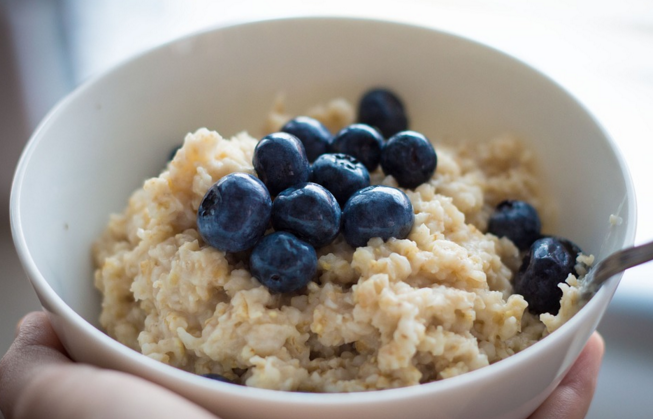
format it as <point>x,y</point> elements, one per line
<point>315,136</point>
<point>382,109</point>
<point>377,211</point>
<point>410,158</point>
<point>516,220</point>
<point>547,263</point>
<point>571,247</point>
<point>280,162</point>
<point>308,211</point>
<point>234,213</point>
<point>283,263</point>
<point>360,141</point>
<point>218,377</point>
<point>340,174</point>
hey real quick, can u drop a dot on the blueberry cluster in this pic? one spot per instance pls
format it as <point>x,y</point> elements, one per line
<point>547,261</point>
<point>321,187</point>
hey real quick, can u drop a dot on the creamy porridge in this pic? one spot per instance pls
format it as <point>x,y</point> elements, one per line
<point>390,314</point>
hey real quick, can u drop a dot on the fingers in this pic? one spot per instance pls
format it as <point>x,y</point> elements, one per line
<point>83,392</point>
<point>36,345</point>
<point>572,398</point>
<point>34,331</point>
<point>38,381</point>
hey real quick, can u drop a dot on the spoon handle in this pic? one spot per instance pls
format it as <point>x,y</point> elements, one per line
<point>613,264</point>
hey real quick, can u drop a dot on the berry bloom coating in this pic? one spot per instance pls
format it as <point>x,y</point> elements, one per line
<point>283,263</point>
<point>340,174</point>
<point>377,211</point>
<point>280,162</point>
<point>516,220</point>
<point>410,158</point>
<point>360,141</point>
<point>548,262</point>
<point>234,213</point>
<point>382,109</point>
<point>315,136</point>
<point>308,211</point>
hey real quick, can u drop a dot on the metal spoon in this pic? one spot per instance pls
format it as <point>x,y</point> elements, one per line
<point>617,262</point>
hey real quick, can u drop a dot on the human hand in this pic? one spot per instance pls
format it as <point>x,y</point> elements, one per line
<point>572,398</point>
<point>38,381</point>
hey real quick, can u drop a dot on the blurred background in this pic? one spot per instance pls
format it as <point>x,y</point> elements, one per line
<point>600,50</point>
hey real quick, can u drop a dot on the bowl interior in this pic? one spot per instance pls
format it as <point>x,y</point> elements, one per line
<point>100,144</point>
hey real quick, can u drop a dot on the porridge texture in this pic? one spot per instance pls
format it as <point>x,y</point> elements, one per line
<point>390,314</point>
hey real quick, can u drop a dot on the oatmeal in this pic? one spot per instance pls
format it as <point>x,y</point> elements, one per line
<point>389,314</point>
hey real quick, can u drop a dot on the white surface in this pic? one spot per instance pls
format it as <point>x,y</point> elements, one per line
<point>214,80</point>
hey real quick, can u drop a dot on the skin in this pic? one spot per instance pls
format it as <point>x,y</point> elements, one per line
<point>37,359</point>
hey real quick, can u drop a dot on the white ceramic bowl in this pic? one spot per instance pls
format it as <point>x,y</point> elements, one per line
<point>100,143</point>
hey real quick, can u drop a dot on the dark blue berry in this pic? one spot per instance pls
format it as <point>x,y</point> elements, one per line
<point>377,211</point>
<point>382,109</point>
<point>341,174</point>
<point>308,211</point>
<point>571,247</point>
<point>234,213</point>
<point>283,263</point>
<point>315,136</point>
<point>280,162</point>
<point>360,141</point>
<point>410,158</point>
<point>516,220</point>
<point>218,377</point>
<point>548,262</point>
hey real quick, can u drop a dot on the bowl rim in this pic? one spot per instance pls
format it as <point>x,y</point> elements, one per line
<point>58,307</point>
